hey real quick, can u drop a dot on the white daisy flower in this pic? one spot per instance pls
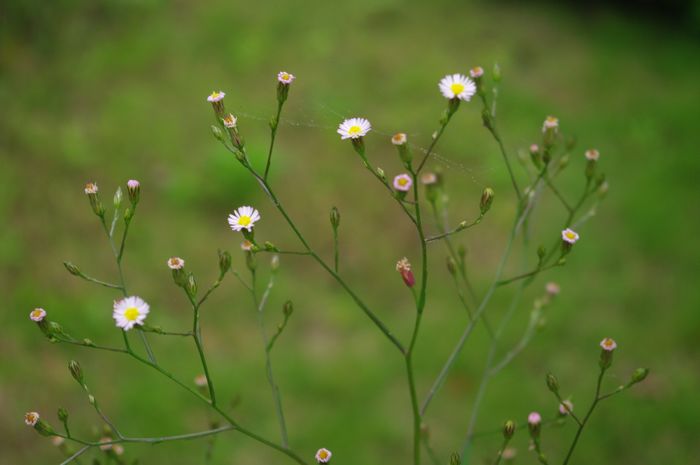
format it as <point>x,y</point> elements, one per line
<point>457,86</point>
<point>230,121</point>
<point>476,72</point>
<point>176,263</point>
<point>243,218</point>
<point>399,138</point>
<point>130,311</point>
<point>216,96</point>
<point>37,314</point>
<point>91,188</point>
<point>354,128</point>
<point>565,407</point>
<point>550,122</point>
<point>323,455</point>
<point>569,235</point>
<point>403,182</point>
<point>31,418</point>
<point>285,77</point>
<point>592,155</point>
<point>608,344</point>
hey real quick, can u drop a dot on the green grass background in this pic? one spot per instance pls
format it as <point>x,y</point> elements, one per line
<point>108,91</point>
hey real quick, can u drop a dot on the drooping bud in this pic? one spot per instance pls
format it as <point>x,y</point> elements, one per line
<point>133,188</point>
<point>224,262</point>
<point>77,372</point>
<point>508,429</point>
<point>552,383</point>
<point>72,269</point>
<point>403,266</point>
<point>486,200</point>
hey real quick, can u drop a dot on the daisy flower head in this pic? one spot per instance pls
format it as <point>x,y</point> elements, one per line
<point>570,236</point>
<point>31,418</point>
<point>243,218</point>
<point>91,188</point>
<point>476,72</point>
<point>354,128</point>
<point>133,189</point>
<point>399,138</point>
<point>37,315</point>
<point>323,455</point>
<point>608,344</point>
<point>230,121</point>
<point>534,419</point>
<point>551,122</point>
<point>592,155</point>
<point>216,97</point>
<point>565,407</point>
<point>403,182</point>
<point>176,263</point>
<point>130,311</point>
<point>457,86</point>
<point>285,78</point>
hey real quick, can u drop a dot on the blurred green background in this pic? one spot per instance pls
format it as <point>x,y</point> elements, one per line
<point>113,90</point>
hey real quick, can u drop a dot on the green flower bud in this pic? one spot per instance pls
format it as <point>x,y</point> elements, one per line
<point>497,73</point>
<point>269,246</point>
<point>217,132</point>
<point>77,372</point>
<point>508,429</point>
<point>72,269</point>
<point>250,261</point>
<point>639,375</point>
<point>486,200</point>
<point>191,285</point>
<point>455,459</point>
<point>62,415</point>
<point>224,261</point>
<point>117,198</point>
<point>552,383</point>
<point>335,218</point>
<point>288,308</point>
<point>275,262</point>
<point>451,266</point>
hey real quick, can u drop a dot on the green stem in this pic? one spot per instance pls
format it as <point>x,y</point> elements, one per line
<point>585,419</point>
<point>197,336</point>
<point>272,139</point>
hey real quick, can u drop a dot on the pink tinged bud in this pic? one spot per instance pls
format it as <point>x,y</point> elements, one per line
<point>608,344</point>
<point>31,418</point>
<point>552,289</point>
<point>592,155</point>
<point>566,407</point>
<point>476,72</point>
<point>285,78</point>
<point>534,418</point>
<point>404,268</point>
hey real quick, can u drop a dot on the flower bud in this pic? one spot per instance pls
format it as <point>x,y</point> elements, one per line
<point>508,429</point>
<point>72,269</point>
<point>191,285</point>
<point>270,247</point>
<point>381,174</point>
<point>288,308</point>
<point>451,266</point>
<point>399,140</point>
<point>117,198</point>
<point>77,372</point>
<point>217,102</point>
<point>552,383</point>
<point>455,459</point>
<point>284,79</point>
<point>486,200</point>
<point>534,421</point>
<point>217,132</point>
<point>133,188</point>
<point>403,266</point>
<point>128,214</point>
<point>62,414</point>
<point>335,217</point>
<point>44,428</point>
<point>639,375</point>
<point>224,261</point>
<point>91,191</point>
<point>92,400</point>
<point>497,73</point>
<point>608,346</point>
<point>275,262</point>
<point>177,266</point>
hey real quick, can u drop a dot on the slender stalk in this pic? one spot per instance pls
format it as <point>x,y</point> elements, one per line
<point>585,419</point>
<point>272,139</point>
<point>197,336</point>
<point>335,250</point>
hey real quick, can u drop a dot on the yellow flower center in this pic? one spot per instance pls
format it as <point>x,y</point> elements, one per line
<point>354,130</point>
<point>215,95</point>
<point>285,76</point>
<point>323,455</point>
<point>131,313</point>
<point>402,181</point>
<point>36,313</point>
<point>457,88</point>
<point>30,418</point>
<point>570,235</point>
<point>244,220</point>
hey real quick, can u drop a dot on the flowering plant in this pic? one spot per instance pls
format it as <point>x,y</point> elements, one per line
<point>416,192</point>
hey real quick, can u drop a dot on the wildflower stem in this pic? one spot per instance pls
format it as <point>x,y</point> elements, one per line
<point>101,283</point>
<point>533,273</point>
<point>557,193</point>
<point>75,456</point>
<point>433,143</point>
<point>273,129</point>
<point>197,336</point>
<point>335,250</point>
<point>583,422</point>
<point>499,456</point>
<point>455,230</point>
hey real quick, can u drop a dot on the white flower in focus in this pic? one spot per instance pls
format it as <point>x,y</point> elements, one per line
<point>569,235</point>
<point>354,128</point>
<point>31,418</point>
<point>457,86</point>
<point>608,344</point>
<point>403,182</point>
<point>566,406</point>
<point>130,311</point>
<point>323,455</point>
<point>399,138</point>
<point>285,77</point>
<point>91,188</point>
<point>243,218</point>
<point>216,96</point>
<point>37,314</point>
<point>550,122</point>
<point>230,121</point>
<point>176,263</point>
<point>592,155</point>
<point>476,72</point>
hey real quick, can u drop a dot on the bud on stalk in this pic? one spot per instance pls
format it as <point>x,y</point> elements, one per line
<point>77,372</point>
<point>72,269</point>
<point>508,429</point>
<point>288,308</point>
<point>552,383</point>
<point>133,188</point>
<point>486,200</point>
<point>224,262</point>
